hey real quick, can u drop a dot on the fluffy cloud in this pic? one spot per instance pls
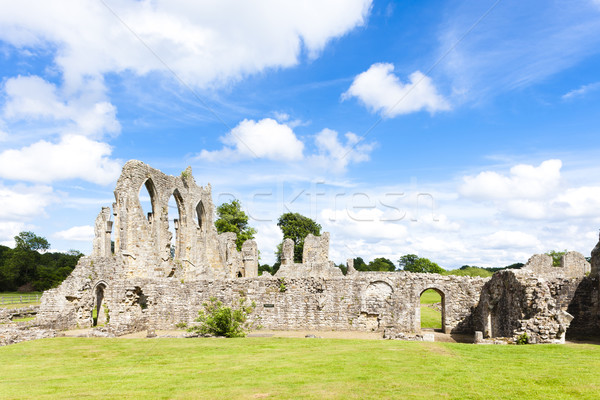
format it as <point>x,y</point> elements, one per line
<point>382,91</point>
<point>32,99</point>
<point>73,157</point>
<point>83,233</point>
<point>21,202</point>
<point>523,182</point>
<point>263,139</point>
<point>335,155</point>
<point>511,239</point>
<point>204,43</point>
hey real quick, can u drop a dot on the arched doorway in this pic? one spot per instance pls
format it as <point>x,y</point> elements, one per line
<point>99,310</point>
<point>431,310</point>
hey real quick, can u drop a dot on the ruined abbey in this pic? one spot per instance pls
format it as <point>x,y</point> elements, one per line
<point>144,282</point>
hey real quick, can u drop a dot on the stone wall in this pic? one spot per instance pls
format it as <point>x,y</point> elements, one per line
<point>366,302</point>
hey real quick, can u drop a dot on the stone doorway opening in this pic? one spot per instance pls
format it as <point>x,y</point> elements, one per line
<point>431,310</point>
<point>99,315</point>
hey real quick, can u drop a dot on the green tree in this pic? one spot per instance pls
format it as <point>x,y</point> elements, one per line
<point>556,256</point>
<point>360,265</point>
<point>296,227</point>
<point>233,219</point>
<point>31,241</point>
<point>414,263</point>
<point>381,264</point>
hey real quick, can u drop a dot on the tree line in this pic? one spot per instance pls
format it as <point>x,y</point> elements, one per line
<point>31,267</point>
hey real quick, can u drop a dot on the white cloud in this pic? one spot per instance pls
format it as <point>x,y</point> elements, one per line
<point>73,157</point>
<point>583,90</point>
<point>33,99</point>
<point>21,202</point>
<point>335,155</point>
<point>523,182</point>
<point>581,201</point>
<point>205,43</point>
<point>83,233</point>
<point>381,91</point>
<point>511,239</point>
<point>266,139</point>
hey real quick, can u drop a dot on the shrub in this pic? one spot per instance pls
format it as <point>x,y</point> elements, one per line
<point>218,320</point>
<point>523,339</point>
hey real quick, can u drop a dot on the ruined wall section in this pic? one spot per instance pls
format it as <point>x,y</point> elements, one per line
<point>144,241</point>
<point>69,306</point>
<point>572,265</point>
<point>515,302</point>
<point>376,301</point>
<point>315,259</point>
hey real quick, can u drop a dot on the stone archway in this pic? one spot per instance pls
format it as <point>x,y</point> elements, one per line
<point>442,294</point>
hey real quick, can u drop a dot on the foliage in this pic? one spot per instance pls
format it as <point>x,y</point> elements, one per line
<point>282,286</point>
<point>325,368</point>
<point>360,265</point>
<point>378,264</point>
<point>556,256</point>
<point>233,219</point>
<point>296,227</point>
<point>414,263</point>
<point>219,320</point>
<point>469,271</point>
<point>523,339</point>
<point>25,268</point>
<point>31,241</point>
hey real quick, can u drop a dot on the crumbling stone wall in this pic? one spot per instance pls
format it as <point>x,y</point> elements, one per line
<point>541,301</point>
<point>368,302</point>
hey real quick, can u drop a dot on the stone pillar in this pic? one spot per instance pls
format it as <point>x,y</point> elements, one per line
<point>316,249</point>
<point>350,266</point>
<point>102,230</point>
<point>287,252</point>
<point>250,258</point>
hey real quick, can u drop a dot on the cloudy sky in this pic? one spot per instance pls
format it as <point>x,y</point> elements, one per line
<point>465,132</point>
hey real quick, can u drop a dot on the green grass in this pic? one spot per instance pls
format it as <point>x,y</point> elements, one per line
<point>430,318</point>
<point>430,296</point>
<point>74,368</point>
<point>24,319</point>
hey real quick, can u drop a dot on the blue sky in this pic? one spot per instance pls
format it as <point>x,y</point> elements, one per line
<point>465,132</point>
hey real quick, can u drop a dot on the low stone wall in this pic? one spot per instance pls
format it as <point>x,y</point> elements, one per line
<point>369,301</point>
<point>9,314</point>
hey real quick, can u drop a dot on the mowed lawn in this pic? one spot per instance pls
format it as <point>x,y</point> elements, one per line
<point>278,368</point>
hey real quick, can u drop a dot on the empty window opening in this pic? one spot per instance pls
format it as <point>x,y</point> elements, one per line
<point>173,218</point>
<point>201,215</point>
<point>432,310</point>
<point>142,300</point>
<point>147,198</point>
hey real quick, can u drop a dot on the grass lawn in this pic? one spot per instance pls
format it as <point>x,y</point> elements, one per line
<point>430,318</point>
<point>250,368</point>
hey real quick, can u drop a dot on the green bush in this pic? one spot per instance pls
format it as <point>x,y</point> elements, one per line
<point>218,320</point>
<point>523,339</point>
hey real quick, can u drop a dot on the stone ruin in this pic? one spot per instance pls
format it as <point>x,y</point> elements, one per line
<point>146,283</point>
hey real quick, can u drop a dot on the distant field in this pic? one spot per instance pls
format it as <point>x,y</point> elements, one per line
<point>277,368</point>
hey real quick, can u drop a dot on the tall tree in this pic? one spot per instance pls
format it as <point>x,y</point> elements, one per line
<point>296,227</point>
<point>414,263</point>
<point>31,241</point>
<point>233,219</point>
